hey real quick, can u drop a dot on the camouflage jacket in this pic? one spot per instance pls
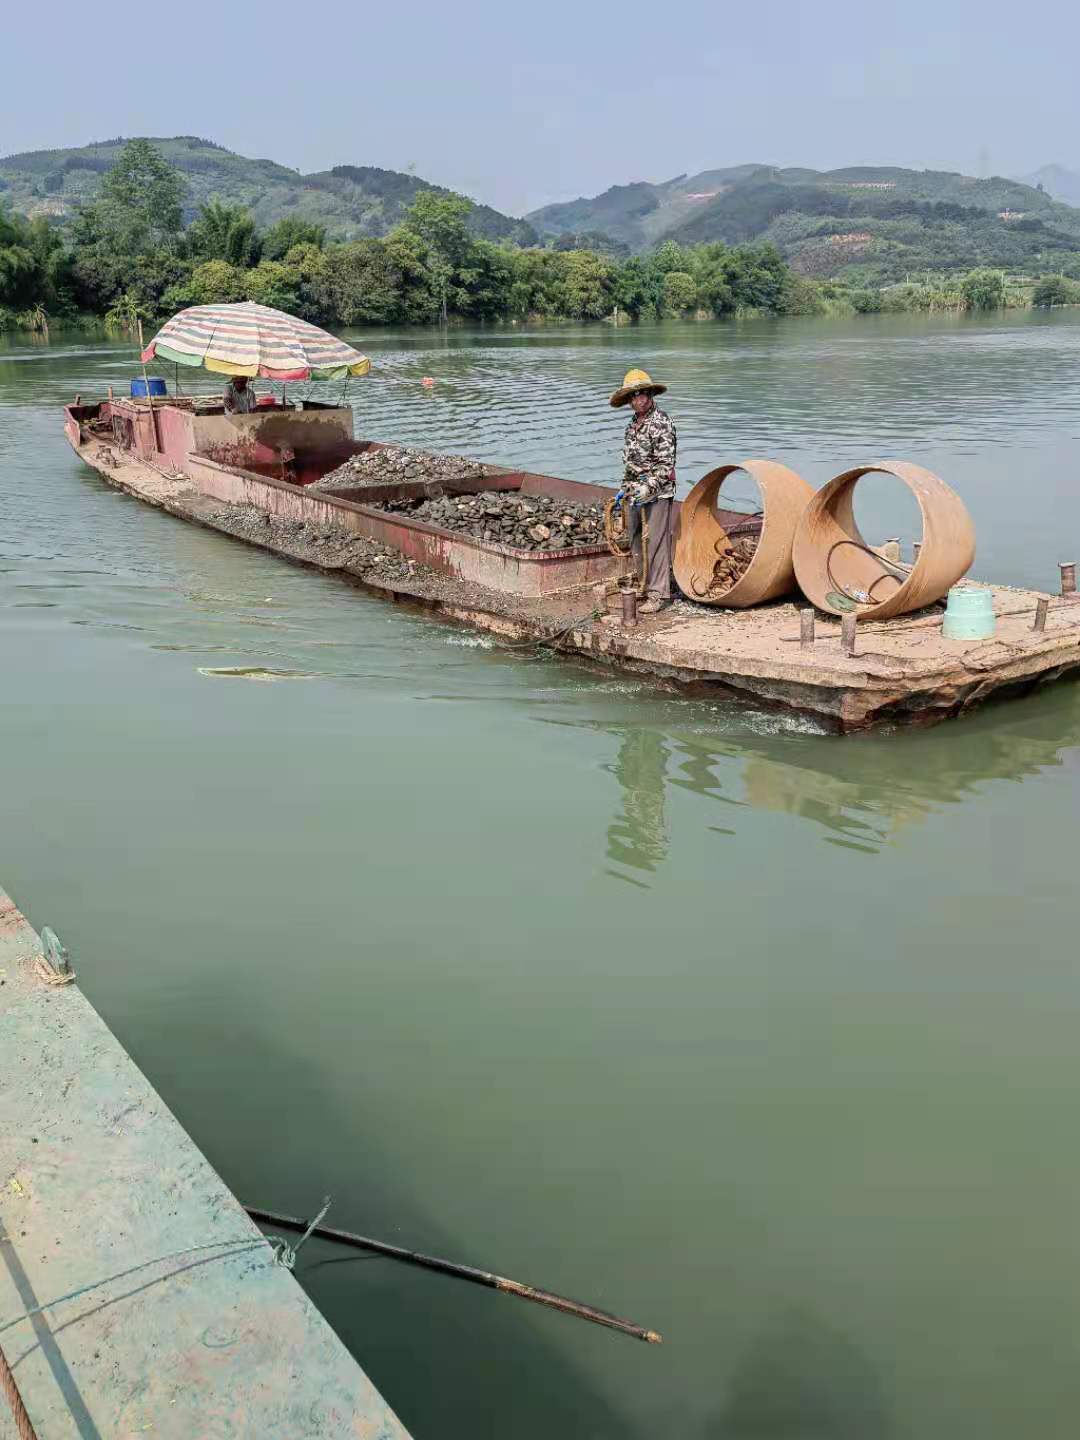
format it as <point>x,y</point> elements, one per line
<point>649,457</point>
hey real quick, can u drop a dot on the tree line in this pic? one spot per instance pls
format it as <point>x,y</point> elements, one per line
<point>128,256</point>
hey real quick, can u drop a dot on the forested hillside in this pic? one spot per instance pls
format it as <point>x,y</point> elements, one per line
<point>868,223</point>
<point>348,201</point>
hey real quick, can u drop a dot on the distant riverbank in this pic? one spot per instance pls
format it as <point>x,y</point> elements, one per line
<point>127,258</point>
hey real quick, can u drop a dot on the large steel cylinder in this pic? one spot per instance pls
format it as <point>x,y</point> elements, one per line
<point>706,532</point>
<point>833,561</point>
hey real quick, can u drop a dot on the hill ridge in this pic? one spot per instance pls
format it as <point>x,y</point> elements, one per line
<point>873,222</point>
<point>351,201</point>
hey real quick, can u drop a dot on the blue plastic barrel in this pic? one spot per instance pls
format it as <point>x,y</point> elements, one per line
<point>157,387</point>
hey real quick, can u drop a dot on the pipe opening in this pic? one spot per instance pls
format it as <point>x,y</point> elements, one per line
<point>737,551</point>
<point>842,571</point>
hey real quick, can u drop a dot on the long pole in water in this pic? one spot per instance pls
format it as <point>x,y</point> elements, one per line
<point>462,1272</point>
<point>149,397</point>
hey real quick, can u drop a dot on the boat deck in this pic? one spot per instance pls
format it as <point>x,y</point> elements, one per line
<point>902,671</point>
<point>181,1323</point>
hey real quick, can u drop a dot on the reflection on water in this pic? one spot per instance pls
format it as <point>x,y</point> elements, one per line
<point>638,836</point>
<point>803,1380</point>
<point>860,796</point>
<point>761,1036</point>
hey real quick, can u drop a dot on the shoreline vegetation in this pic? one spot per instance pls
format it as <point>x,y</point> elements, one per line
<point>127,257</point>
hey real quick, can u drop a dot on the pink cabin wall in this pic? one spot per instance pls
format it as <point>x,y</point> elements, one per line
<point>176,434</point>
<point>259,438</point>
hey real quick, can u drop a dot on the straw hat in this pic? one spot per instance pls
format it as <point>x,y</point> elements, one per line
<point>636,382</point>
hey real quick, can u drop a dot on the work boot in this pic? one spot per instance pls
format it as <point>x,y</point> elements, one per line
<point>653,605</point>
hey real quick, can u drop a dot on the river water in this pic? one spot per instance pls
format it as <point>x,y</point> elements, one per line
<point>764,1038</point>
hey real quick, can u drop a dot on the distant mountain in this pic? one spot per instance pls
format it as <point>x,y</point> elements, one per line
<point>350,200</point>
<point>1062,184</point>
<point>879,223</point>
<point>642,214</point>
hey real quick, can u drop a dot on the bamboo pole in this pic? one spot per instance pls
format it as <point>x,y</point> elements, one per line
<point>149,397</point>
<point>462,1272</point>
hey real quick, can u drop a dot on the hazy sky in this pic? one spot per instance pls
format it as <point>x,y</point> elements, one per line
<point>521,104</point>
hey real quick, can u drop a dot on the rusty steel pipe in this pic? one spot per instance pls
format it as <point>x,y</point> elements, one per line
<point>629,607</point>
<point>1068,578</point>
<point>828,540</point>
<point>700,537</point>
<point>1042,609</point>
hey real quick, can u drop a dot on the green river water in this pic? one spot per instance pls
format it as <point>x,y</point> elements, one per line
<point>764,1038</point>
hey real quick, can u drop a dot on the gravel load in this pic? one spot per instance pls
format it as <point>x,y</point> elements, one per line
<point>397,463</point>
<point>526,522</point>
<point>331,546</point>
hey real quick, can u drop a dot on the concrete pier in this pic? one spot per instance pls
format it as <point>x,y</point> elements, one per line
<point>185,1325</point>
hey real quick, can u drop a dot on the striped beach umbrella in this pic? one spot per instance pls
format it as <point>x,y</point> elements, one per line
<point>249,339</point>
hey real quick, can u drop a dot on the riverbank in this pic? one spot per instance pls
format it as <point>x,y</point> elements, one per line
<point>833,300</point>
<point>178,1316</point>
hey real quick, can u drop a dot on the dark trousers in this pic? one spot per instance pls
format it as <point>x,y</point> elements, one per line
<point>659,516</point>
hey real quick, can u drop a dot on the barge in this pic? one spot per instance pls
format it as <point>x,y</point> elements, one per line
<point>251,476</point>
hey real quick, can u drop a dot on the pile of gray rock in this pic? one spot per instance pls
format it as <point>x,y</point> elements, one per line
<point>526,522</point>
<point>397,463</point>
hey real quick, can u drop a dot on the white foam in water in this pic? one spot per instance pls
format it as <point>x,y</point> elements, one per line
<point>471,642</point>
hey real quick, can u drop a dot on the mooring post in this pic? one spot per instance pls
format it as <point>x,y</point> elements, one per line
<point>847,632</point>
<point>916,547</point>
<point>1068,578</point>
<point>629,607</point>
<point>1041,610</point>
<point>806,628</point>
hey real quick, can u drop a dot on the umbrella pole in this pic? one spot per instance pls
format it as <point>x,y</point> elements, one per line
<point>149,397</point>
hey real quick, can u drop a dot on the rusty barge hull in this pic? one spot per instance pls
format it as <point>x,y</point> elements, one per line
<point>903,672</point>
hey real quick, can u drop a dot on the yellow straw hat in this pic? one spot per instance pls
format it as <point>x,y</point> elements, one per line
<point>636,382</point>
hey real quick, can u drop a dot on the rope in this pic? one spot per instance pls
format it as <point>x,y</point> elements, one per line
<point>232,1247</point>
<point>286,1253</point>
<point>615,535</point>
<point>895,573</point>
<point>14,1399</point>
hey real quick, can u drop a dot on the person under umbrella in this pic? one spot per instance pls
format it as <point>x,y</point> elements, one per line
<point>240,397</point>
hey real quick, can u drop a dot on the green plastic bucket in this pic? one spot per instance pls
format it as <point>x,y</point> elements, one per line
<point>969,615</point>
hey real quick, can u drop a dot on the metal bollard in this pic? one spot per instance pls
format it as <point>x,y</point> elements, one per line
<point>1041,610</point>
<point>847,633</point>
<point>806,629</point>
<point>629,607</point>
<point>1068,578</point>
<point>55,952</point>
<point>915,552</point>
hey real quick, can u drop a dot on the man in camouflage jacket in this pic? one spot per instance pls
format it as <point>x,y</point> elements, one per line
<point>649,450</point>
